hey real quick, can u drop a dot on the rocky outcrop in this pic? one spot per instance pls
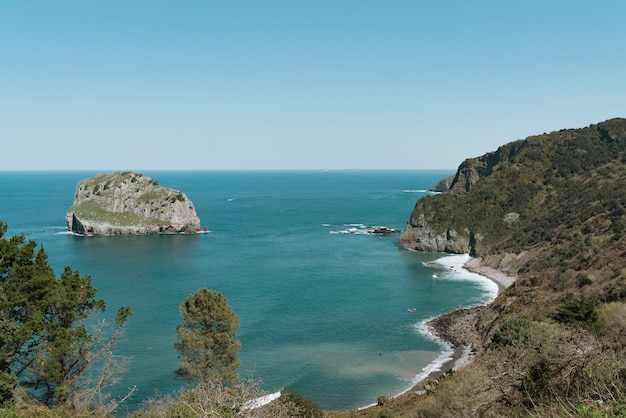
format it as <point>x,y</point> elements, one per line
<point>473,169</point>
<point>424,233</point>
<point>129,203</point>
<point>421,236</point>
<point>516,195</point>
<point>443,185</point>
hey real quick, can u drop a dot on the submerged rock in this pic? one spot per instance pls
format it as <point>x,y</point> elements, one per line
<point>129,203</point>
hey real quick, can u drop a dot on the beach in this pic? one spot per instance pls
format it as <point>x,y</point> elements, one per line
<point>476,265</point>
<point>458,328</point>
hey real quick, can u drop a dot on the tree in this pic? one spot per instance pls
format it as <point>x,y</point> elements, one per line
<point>208,346</point>
<point>44,343</point>
<point>89,390</point>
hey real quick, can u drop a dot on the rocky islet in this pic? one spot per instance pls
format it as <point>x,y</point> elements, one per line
<point>129,203</point>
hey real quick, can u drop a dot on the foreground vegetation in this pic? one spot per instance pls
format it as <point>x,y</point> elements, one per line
<point>46,347</point>
<point>51,365</point>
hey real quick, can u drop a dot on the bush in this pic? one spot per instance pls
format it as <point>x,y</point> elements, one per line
<point>384,413</point>
<point>8,382</point>
<point>216,399</point>
<point>612,320</point>
<point>573,310</point>
<point>559,365</point>
<point>513,331</point>
<point>307,407</point>
<point>466,393</point>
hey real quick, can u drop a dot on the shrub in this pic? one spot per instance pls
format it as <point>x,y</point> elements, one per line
<point>573,310</point>
<point>513,331</point>
<point>385,413</point>
<point>466,393</point>
<point>307,407</point>
<point>612,320</point>
<point>585,279</point>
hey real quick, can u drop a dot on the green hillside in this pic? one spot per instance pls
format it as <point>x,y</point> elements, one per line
<point>551,210</point>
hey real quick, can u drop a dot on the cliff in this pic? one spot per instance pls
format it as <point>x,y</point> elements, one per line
<point>551,211</point>
<point>128,203</point>
<point>515,196</point>
<point>443,185</point>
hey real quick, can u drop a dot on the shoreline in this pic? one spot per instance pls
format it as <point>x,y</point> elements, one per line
<point>476,265</point>
<point>457,328</point>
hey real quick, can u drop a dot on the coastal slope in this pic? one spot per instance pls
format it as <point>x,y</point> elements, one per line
<point>129,203</point>
<point>550,211</point>
<point>526,195</point>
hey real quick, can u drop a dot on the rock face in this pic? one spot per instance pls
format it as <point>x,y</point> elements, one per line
<point>419,235</point>
<point>443,185</point>
<point>518,193</point>
<point>424,232</point>
<point>129,203</point>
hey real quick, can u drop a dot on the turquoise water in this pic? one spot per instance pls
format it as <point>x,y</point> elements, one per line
<point>323,313</point>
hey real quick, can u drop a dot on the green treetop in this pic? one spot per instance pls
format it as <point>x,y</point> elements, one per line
<point>208,346</point>
<point>44,343</point>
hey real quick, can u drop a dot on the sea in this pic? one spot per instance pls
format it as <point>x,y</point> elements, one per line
<point>326,309</point>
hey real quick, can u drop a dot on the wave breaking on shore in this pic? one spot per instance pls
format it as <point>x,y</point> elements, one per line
<point>458,351</point>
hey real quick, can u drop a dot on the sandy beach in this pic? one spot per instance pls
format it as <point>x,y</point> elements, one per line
<point>458,327</point>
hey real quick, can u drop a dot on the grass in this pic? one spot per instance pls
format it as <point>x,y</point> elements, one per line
<point>93,211</point>
<point>97,191</point>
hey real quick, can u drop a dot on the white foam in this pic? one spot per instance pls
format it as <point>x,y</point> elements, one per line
<point>436,365</point>
<point>349,231</point>
<point>453,270</point>
<point>452,266</point>
<point>76,234</point>
<point>259,402</point>
<point>361,229</point>
<point>419,191</point>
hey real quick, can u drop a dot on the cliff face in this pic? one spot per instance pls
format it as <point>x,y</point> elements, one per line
<point>522,194</point>
<point>424,232</point>
<point>129,203</point>
<point>443,185</point>
<point>420,235</point>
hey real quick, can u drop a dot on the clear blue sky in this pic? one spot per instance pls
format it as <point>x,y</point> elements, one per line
<point>295,84</point>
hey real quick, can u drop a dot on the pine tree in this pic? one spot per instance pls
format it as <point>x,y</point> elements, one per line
<point>208,346</point>
<point>44,343</point>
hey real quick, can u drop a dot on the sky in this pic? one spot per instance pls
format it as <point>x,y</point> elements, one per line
<point>298,84</point>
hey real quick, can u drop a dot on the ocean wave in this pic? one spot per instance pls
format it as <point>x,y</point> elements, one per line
<point>434,366</point>
<point>362,229</point>
<point>452,269</point>
<point>452,266</point>
<point>419,191</point>
<point>445,356</point>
